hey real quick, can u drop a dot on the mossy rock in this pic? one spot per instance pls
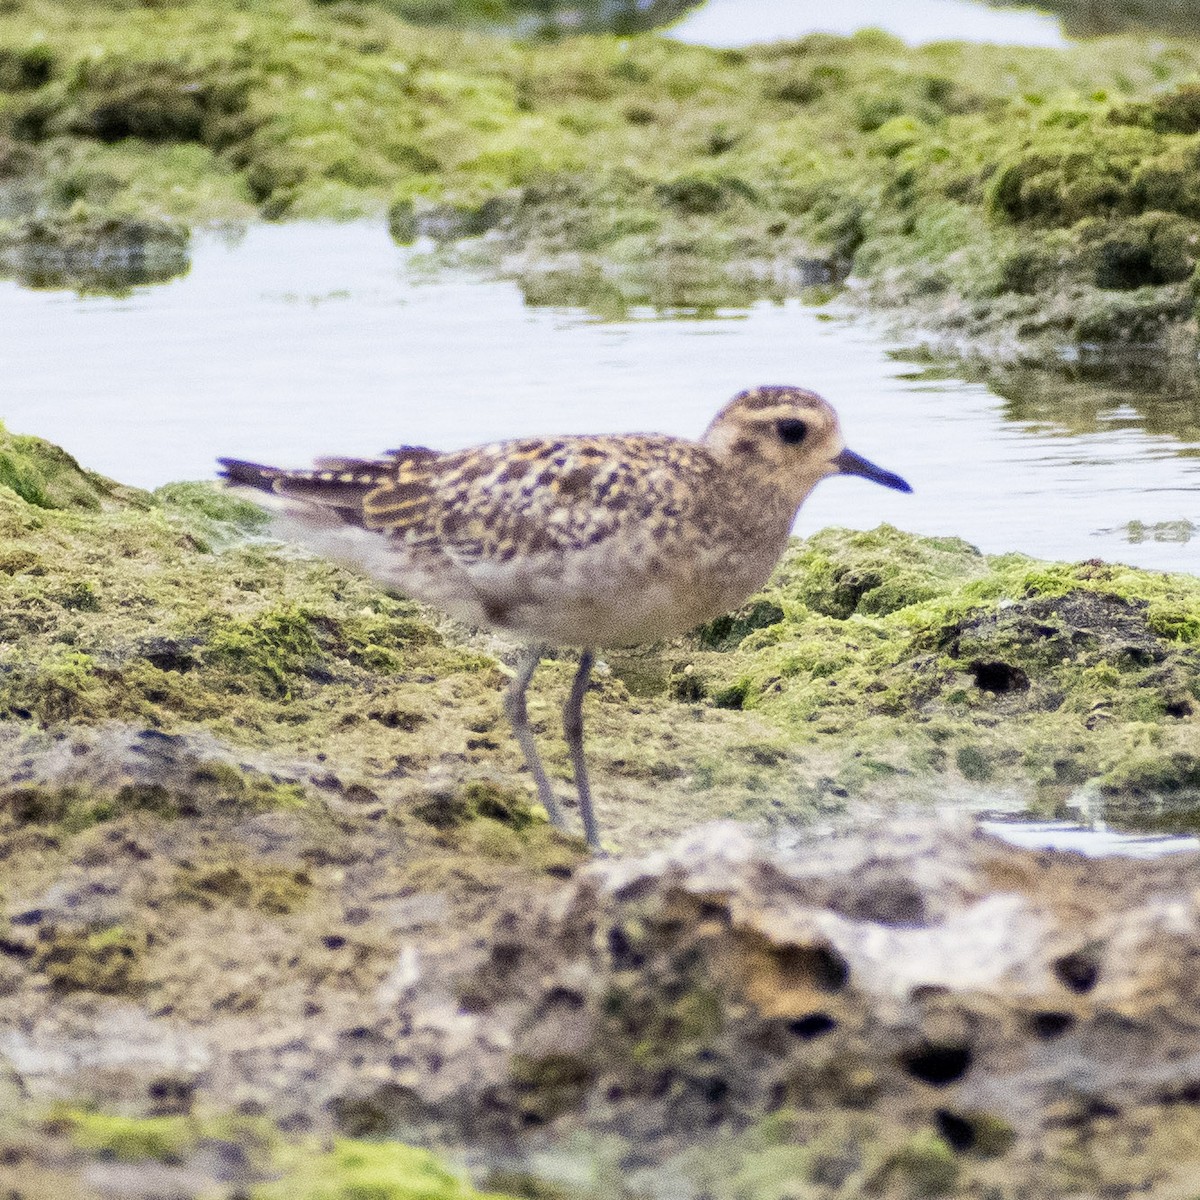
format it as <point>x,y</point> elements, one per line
<point>46,476</point>
<point>1177,111</point>
<point>876,572</point>
<point>358,1170</point>
<point>27,67</point>
<point>155,101</point>
<point>549,1085</point>
<point>1145,251</point>
<point>727,632</point>
<point>479,799</point>
<point>269,888</point>
<point>924,1166</point>
<point>108,960</point>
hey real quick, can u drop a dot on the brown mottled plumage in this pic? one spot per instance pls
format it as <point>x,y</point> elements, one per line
<point>579,541</point>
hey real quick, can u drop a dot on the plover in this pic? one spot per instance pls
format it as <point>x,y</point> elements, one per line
<point>589,542</point>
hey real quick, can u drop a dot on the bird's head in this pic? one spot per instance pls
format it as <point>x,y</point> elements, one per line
<point>790,437</point>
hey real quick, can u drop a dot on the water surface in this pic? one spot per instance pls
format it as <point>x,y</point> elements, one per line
<point>745,22</point>
<point>296,340</point>
<point>1094,841</point>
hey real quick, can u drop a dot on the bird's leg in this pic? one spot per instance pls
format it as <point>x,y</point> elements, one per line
<point>514,707</point>
<point>573,728</point>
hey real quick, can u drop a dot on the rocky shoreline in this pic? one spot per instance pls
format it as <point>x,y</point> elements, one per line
<point>278,914</point>
<point>274,885</point>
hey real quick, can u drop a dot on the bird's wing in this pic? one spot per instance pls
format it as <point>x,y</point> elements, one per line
<point>533,496</point>
<point>506,500</point>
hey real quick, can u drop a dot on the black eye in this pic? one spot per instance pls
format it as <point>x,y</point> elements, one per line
<point>791,431</point>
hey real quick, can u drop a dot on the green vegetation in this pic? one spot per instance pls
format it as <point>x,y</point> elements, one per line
<point>379,1170</point>
<point>104,959</point>
<point>875,664</point>
<point>270,1166</point>
<point>918,654</point>
<point>1012,198</point>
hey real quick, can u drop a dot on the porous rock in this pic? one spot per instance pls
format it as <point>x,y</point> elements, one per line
<point>1016,1010</point>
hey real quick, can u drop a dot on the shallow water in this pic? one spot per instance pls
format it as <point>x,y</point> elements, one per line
<point>729,23</point>
<point>1094,841</point>
<point>745,22</point>
<point>296,340</point>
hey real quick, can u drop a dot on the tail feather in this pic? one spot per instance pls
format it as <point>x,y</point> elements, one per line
<point>247,474</point>
<point>337,484</point>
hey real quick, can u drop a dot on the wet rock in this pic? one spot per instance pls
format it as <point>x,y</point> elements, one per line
<point>946,988</point>
<point>84,777</point>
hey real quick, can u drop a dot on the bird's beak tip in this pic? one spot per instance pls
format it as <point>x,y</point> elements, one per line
<point>849,463</point>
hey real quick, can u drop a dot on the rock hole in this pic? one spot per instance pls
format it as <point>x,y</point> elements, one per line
<point>813,1026</point>
<point>714,1090</point>
<point>1188,1094</point>
<point>566,998</point>
<point>711,910</point>
<point>890,902</point>
<point>938,1064</point>
<point>624,956</point>
<point>507,956</point>
<point>821,966</point>
<point>957,1132</point>
<point>1050,1025</point>
<point>1078,971</point>
<point>999,677</point>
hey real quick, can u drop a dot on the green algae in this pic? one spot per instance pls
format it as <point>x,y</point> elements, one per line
<point>354,1170</point>
<point>924,655</point>
<point>267,887</point>
<point>168,1139</point>
<point>875,665</point>
<point>477,799</point>
<point>104,959</point>
<point>926,1164</point>
<point>1006,196</point>
<point>46,476</point>
<point>271,1166</point>
<point>269,648</point>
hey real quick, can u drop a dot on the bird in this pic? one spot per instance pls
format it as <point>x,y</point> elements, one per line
<point>589,542</point>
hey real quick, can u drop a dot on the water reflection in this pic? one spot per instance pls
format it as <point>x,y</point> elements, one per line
<point>1094,841</point>
<point>106,257</point>
<point>731,23</point>
<point>1157,396</point>
<point>546,18</point>
<point>743,22</point>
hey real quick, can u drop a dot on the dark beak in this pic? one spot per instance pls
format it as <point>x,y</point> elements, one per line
<point>849,463</point>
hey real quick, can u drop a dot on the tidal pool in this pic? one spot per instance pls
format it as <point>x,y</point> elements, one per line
<point>288,341</point>
<point>731,23</point>
<point>745,22</point>
<point>1093,840</point>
